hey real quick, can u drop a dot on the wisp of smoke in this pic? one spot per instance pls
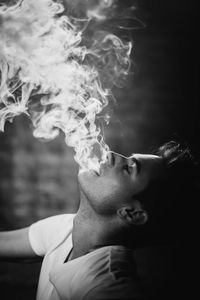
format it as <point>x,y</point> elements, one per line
<point>43,58</point>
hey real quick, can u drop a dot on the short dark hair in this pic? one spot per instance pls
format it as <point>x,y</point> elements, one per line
<point>167,199</point>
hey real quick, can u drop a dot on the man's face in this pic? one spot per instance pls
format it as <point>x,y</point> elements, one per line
<point>120,179</point>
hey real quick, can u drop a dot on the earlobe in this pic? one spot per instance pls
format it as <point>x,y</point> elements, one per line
<point>133,216</point>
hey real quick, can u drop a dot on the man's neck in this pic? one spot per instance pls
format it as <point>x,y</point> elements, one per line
<point>89,231</point>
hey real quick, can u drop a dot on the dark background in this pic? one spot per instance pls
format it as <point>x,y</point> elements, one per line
<point>159,103</point>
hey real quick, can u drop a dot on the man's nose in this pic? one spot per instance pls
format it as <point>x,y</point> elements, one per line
<point>116,159</point>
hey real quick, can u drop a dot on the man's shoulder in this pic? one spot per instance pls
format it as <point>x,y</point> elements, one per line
<point>60,218</point>
<point>57,220</point>
<point>61,224</point>
<point>106,272</point>
<point>112,259</point>
<point>47,233</point>
<point>112,274</point>
<point>109,272</point>
<point>64,218</point>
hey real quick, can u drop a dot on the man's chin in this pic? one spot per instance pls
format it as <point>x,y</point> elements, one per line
<point>87,174</point>
<point>87,181</point>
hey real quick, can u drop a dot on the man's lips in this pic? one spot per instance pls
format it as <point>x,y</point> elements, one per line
<point>110,161</point>
<point>111,158</point>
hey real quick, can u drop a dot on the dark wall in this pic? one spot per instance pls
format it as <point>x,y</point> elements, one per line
<point>159,102</point>
<point>161,99</point>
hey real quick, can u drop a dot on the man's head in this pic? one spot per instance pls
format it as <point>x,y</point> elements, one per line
<point>142,191</point>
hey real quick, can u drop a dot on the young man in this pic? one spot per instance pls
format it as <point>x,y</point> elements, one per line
<point>132,202</point>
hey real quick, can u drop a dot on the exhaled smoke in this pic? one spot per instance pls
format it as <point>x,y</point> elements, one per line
<point>45,55</point>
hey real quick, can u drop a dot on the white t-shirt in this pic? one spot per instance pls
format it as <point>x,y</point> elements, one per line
<point>104,273</point>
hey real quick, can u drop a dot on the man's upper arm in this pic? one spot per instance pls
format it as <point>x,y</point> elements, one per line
<point>16,244</point>
<point>35,240</point>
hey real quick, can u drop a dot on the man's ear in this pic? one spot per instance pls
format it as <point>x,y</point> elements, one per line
<point>133,216</point>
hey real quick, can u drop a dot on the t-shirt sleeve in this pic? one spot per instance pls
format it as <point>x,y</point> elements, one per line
<point>44,233</point>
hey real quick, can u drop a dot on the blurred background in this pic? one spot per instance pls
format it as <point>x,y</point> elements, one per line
<point>158,103</point>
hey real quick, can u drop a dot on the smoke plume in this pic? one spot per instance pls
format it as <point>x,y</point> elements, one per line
<point>59,71</point>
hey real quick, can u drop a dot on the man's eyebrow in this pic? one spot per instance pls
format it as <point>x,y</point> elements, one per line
<point>138,163</point>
